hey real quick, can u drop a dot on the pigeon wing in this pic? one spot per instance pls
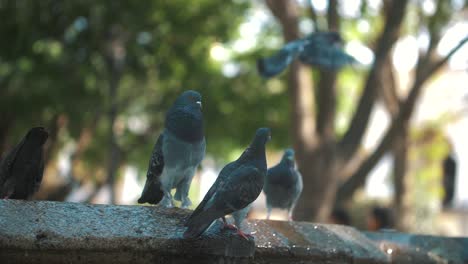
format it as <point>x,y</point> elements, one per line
<point>241,188</point>
<point>271,66</point>
<point>152,192</point>
<point>6,166</point>
<point>220,181</point>
<point>38,174</point>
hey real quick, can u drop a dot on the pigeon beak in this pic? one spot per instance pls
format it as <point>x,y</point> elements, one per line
<point>199,103</point>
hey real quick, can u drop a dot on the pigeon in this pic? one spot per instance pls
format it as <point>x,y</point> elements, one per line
<point>283,185</point>
<point>269,67</point>
<point>324,49</point>
<point>22,168</point>
<point>177,153</point>
<point>238,184</point>
<point>321,49</point>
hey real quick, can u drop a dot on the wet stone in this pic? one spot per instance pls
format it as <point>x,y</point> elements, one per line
<point>57,232</point>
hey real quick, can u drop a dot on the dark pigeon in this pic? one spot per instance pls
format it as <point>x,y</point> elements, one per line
<point>239,183</point>
<point>321,49</point>
<point>177,153</point>
<point>271,66</point>
<point>22,168</point>
<point>283,185</point>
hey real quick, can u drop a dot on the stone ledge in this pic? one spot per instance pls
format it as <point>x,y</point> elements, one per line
<point>56,232</point>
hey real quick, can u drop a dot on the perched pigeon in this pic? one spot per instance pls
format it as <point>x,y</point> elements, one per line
<point>177,153</point>
<point>239,183</point>
<point>321,49</point>
<point>22,168</point>
<point>283,185</point>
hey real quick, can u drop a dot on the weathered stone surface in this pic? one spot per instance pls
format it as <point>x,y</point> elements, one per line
<point>55,232</point>
<point>409,248</point>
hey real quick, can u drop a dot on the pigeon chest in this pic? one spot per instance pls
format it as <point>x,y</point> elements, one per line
<point>180,160</point>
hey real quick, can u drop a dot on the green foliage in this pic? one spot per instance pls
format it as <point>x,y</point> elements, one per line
<point>54,61</point>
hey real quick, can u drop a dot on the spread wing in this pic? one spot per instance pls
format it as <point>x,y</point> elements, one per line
<point>271,66</point>
<point>152,192</point>
<point>242,187</point>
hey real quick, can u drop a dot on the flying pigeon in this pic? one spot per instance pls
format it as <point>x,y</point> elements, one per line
<point>239,183</point>
<point>321,49</point>
<point>177,153</point>
<point>283,185</point>
<point>22,168</point>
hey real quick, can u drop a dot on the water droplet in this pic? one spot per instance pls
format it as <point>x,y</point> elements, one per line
<point>274,234</point>
<point>293,246</point>
<point>315,227</point>
<point>308,248</point>
<point>389,251</point>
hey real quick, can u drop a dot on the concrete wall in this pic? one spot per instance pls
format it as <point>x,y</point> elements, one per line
<point>56,232</point>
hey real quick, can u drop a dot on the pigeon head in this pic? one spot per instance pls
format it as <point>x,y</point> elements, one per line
<point>262,136</point>
<point>189,98</point>
<point>288,156</point>
<point>37,136</point>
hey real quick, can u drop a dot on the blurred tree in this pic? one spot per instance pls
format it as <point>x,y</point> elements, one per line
<point>332,166</point>
<point>102,73</point>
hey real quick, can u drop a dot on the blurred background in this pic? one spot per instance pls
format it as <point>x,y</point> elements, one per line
<point>388,135</point>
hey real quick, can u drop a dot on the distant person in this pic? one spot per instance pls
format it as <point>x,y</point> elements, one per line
<point>380,218</point>
<point>340,216</point>
<point>449,168</point>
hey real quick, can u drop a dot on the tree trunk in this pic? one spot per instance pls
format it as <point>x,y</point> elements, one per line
<point>401,181</point>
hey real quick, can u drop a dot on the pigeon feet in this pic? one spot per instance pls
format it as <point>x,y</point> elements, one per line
<point>186,203</point>
<point>229,226</point>
<point>244,235</point>
<point>167,202</point>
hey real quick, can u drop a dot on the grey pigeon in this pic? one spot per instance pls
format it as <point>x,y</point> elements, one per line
<point>177,153</point>
<point>321,49</point>
<point>22,168</point>
<point>239,183</point>
<point>283,185</point>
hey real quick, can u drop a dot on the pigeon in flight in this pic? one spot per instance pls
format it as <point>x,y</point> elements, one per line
<point>283,185</point>
<point>321,49</point>
<point>239,183</point>
<point>177,153</point>
<point>22,168</point>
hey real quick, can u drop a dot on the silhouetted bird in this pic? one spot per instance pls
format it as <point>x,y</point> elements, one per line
<point>449,167</point>
<point>239,183</point>
<point>283,185</point>
<point>22,168</point>
<point>321,49</point>
<point>177,153</point>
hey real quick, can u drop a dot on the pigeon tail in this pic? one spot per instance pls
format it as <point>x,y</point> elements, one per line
<point>196,226</point>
